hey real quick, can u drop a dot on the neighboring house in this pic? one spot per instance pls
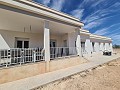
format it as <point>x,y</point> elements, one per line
<point>30,32</point>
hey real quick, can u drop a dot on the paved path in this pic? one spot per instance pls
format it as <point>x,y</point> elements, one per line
<point>32,82</point>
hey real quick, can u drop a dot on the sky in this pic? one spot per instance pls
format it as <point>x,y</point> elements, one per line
<point>101,17</point>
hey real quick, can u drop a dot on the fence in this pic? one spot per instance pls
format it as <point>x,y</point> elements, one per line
<point>17,56</point>
<point>83,51</point>
<point>60,52</point>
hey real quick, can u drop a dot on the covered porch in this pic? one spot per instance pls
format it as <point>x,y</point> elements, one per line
<point>26,38</point>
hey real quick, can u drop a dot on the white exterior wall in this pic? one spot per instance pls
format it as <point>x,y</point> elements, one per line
<point>111,48</point>
<point>91,47</point>
<point>74,40</point>
<point>96,46</point>
<point>104,45</point>
<point>3,44</point>
<point>7,39</point>
<point>107,47</point>
<point>72,37</point>
<point>88,46</point>
<point>101,47</point>
<point>64,37</point>
<point>58,40</point>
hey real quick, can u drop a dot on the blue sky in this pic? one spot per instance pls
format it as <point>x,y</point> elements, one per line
<point>100,17</point>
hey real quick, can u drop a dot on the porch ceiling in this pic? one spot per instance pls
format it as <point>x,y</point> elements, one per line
<point>15,21</point>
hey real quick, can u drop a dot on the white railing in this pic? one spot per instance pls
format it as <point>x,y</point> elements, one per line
<point>60,52</point>
<point>15,56</point>
<point>83,51</point>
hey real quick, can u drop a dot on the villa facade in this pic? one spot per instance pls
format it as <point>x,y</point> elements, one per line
<point>33,27</point>
<point>30,32</point>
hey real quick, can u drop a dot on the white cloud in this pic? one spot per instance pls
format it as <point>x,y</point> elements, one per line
<point>101,32</point>
<point>97,3</point>
<point>115,37</point>
<point>106,30</point>
<point>96,23</point>
<point>111,32</point>
<point>92,25</point>
<point>85,3</point>
<point>102,13</point>
<point>45,2</point>
<point>57,4</point>
<point>78,13</point>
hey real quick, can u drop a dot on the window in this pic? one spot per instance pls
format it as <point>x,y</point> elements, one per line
<point>65,43</point>
<point>19,44</point>
<point>52,43</point>
<point>22,43</point>
<point>26,44</point>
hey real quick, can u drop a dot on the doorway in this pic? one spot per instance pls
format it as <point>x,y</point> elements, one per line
<point>52,49</point>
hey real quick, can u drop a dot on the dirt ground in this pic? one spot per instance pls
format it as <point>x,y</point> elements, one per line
<point>105,77</point>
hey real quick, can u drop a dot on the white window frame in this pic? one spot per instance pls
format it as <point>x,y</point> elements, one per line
<point>21,39</point>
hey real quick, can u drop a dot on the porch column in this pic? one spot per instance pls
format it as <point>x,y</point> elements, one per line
<point>47,41</point>
<point>101,47</point>
<point>91,47</point>
<point>96,47</point>
<point>78,42</point>
<point>88,46</point>
<point>106,46</point>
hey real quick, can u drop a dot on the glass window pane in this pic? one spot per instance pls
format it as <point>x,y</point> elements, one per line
<point>26,44</point>
<point>19,44</point>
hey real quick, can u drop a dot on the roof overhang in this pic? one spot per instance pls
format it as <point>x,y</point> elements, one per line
<point>14,21</point>
<point>40,10</point>
<point>93,36</point>
<point>86,32</point>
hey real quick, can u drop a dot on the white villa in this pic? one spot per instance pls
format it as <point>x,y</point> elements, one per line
<point>30,33</point>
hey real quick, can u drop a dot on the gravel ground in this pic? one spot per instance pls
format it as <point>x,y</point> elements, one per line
<point>105,77</point>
